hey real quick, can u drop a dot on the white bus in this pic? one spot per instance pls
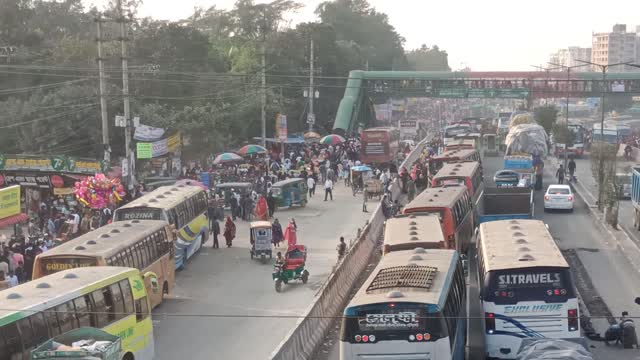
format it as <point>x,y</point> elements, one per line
<point>526,289</point>
<point>413,306</point>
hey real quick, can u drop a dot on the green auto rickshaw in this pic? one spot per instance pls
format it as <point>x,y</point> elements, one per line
<point>290,192</point>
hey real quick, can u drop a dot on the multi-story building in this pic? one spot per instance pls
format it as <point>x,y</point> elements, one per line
<point>615,47</point>
<point>570,56</point>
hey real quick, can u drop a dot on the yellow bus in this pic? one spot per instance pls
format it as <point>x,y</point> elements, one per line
<point>111,298</point>
<point>182,206</point>
<point>146,245</point>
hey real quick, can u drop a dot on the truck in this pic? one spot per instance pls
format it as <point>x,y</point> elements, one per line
<point>635,195</point>
<point>506,204</point>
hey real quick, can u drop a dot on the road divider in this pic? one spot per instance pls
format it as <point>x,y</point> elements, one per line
<point>305,338</point>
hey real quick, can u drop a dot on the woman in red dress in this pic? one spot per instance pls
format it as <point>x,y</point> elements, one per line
<point>229,231</point>
<point>290,233</point>
<point>262,210</point>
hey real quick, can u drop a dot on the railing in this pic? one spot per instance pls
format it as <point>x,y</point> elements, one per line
<point>309,333</point>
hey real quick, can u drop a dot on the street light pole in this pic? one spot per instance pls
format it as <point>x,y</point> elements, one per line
<point>566,118</point>
<point>603,68</point>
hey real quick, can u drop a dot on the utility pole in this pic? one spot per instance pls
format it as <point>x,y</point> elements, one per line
<point>603,68</point>
<point>125,96</point>
<point>103,93</point>
<point>566,117</point>
<point>264,95</point>
<point>311,115</point>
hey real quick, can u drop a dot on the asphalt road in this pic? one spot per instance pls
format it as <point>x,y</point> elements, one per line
<point>216,309</point>
<point>602,273</point>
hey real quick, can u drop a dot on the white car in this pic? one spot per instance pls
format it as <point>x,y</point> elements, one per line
<point>559,197</point>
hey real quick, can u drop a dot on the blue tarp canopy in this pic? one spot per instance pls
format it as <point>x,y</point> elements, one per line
<point>290,140</point>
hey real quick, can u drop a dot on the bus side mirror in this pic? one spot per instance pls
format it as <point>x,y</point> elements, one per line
<point>153,278</point>
<point>638,300</point>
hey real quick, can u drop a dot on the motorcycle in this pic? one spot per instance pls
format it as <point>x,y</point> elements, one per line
<point>623,332</point>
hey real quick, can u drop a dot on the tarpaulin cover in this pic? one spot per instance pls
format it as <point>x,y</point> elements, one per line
<point>553,349</point>
<point>527,138</point>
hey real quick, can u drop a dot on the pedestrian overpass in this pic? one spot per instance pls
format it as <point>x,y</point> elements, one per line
<point>366,88</point>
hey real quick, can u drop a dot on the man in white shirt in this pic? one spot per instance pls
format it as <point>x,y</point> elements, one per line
<point>311,184</point>
<point>328,187</point>
<point>13,279</point>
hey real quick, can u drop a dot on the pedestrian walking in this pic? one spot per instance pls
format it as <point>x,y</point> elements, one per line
<point>229,231</point>
<point>271,203</point>
<point>342,248</point>
<point>290,233</point>
<point>276,233</point>
<point>233,202</point>
<point>215,230</point>
<point>560,174</point>
<point>572,168</point>
<point>411,189</point>
<point>365,197</point>
<point>311,184</point>
<point>328,189</point>
<point>539,174</point>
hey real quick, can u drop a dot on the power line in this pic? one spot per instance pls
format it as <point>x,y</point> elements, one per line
<point>45,118</point>
<point>41,87</point>
<point>300,316</point>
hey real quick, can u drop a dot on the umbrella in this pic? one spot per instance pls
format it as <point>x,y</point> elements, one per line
<point>361,168</point>
<point>332,139</point>
<point>252,149</point>
<point>226,158</point>
<point>191,183</point>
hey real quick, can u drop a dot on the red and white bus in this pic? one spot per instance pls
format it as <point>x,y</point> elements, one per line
<point>379,145</point>
<point>437,162</point>
<point>454,208</point>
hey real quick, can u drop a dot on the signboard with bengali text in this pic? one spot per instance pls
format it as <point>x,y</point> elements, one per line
<point>56,163</point>
<point>9,201</point>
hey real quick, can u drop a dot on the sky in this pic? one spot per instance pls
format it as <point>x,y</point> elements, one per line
<point>499,35</point>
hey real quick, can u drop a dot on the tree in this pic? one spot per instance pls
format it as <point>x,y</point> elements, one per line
<point>428,59</point>
<point>562,135</point>
<point>603,167</point>
<point>546,116</point>
<point>355,20</point>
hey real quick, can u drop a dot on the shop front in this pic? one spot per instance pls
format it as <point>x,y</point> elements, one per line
<point>42,178</point>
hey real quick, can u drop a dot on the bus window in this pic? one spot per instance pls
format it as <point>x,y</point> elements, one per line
<point>142,310</point>
<point>127,296</point>
<point>66,316</point>
<point>101,310</point>
<point>82,311</point>
<point>118,301</point>
<point>52,321</point>
<point>10,340</point>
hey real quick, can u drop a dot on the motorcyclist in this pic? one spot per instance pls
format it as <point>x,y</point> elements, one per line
<point>627,152</point>
<point>280,260</point>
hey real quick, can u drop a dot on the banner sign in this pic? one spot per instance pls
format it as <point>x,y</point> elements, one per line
<point>282,127</point>
<point>174,143</point>
<point>148,133</point>
<point>144,150</point>
<point>59,163</point>
<point>149,150</point>
<point>159,148</point>
<point>9,201</point>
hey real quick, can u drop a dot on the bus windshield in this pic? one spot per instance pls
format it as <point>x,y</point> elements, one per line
<point>578,134</point>
<point>139,213</point>
<point>50,265</point>
<point>454,130</point>
<point>391,321</point>
<point>528,284</point>
<point>450,181</point>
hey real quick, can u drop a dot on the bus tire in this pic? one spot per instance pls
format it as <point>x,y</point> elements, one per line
<point>128,356</point>
<point>165,288</point>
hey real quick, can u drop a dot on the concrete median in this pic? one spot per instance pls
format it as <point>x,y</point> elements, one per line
<point>305,338</point>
